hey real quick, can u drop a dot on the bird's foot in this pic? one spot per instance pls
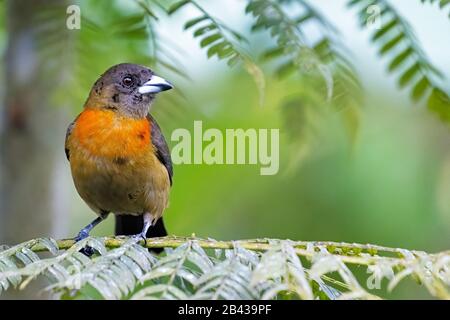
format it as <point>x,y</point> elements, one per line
<point>87,251</point>
<point>140,236</point>
<point>83,234</point>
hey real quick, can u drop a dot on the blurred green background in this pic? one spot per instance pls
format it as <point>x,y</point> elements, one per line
<point>388,184</point>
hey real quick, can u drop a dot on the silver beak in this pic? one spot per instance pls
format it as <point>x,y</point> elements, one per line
<point>154,85</point>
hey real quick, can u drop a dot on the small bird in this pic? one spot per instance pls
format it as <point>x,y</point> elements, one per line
<point>119,159</point>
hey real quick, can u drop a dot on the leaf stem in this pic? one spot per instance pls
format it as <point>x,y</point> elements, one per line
<point>352,253</point>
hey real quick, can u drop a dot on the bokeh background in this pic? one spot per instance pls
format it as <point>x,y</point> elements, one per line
<point>387,183</point>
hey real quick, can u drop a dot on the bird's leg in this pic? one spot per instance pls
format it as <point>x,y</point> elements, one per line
<point>148,219</point>
<point>84,233</point>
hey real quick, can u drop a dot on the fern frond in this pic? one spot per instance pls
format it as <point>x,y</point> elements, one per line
<point>443,4</point>
<point>193,268</point>
<point>282,265</point>
<point>324,263</point>
<point>114,274</point>
<point>294,51</point>
<point>397,42</point>
<point>327,79</point>
<point>221,41</point>
<point>14,259</point>
<point>229,279</point>
<point>171,272</point>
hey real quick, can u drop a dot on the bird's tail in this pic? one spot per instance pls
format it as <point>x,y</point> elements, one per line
<point>130,225</point>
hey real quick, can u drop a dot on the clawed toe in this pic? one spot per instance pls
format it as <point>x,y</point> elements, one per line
<point>144,238</point>
<point>87,251</point>
<point>140,236</point>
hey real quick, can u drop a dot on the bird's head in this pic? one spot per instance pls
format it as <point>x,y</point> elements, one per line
<point>128,89</point>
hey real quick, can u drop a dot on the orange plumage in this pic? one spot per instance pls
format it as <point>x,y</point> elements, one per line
<point>106,134</point>
<point>114,165</point>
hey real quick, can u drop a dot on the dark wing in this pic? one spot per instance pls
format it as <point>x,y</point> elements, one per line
<point>68,132</point>
<point>161,148</point>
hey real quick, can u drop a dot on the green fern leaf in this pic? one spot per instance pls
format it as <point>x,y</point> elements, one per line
<point>193,22</point>
<point>292,49</point>
<point>420,75</point>
<point>210,39</point>
<point>123,269</point>
<point>443,4</point>
<point>221,41</point>
<point>439,102</point>
<point>400,59</point>
<point>177,6</point>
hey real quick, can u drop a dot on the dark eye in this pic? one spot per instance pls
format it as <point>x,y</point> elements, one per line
<point>127,81</point>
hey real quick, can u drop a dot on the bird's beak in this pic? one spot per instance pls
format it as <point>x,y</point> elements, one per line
<point>155,85</point>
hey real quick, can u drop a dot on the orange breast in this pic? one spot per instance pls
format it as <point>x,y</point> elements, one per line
<point>105,133</point>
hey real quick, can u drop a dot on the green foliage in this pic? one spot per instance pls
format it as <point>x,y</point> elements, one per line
<point>396,41</point>
<point>323,60</point>
<point>294,50</point>
<point>327,79</point>
<point>22,256</point>
<point>110,33</point>
<point>129,33</point>
<point>192,268</point>
<point>113,33</point>
<point>325,82</point>
<point>443,4</point>
<point>221,41</point>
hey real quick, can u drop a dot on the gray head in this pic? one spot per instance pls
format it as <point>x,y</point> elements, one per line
<point>128,89</point>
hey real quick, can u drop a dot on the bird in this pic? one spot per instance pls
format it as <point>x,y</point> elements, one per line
<point>119,159</point>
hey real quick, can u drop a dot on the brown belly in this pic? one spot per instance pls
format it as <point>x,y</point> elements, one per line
<point>121,185</point>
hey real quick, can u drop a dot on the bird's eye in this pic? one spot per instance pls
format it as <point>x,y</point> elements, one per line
<point>128,81</point>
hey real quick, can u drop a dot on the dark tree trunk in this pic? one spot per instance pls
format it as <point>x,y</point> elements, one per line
<point>32,133</point>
